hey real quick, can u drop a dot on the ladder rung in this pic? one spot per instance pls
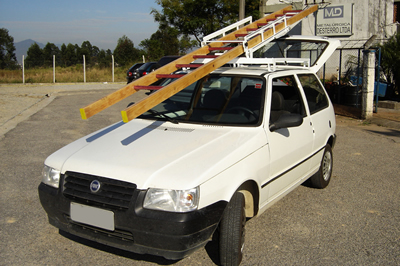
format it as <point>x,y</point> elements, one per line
<point>261,24</point>
<point>205,56</point>
<point>169,76</point>
<point>291,11</point>
<point>287,15</point>
<point>220,48</point>
<point>152,88</point>
<point>270,19</point>
<point>241,35</point>
<point>188,65</point>
<point>252,29</point>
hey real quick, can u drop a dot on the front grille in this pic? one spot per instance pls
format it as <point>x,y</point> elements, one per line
<point>118,234</point>
<point>113,194</point>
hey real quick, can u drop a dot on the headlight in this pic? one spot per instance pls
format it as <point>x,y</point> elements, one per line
<point>50,176</point>
<point>172,200</point>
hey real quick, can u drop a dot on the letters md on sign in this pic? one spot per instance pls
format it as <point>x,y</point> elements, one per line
<point>335,21</point>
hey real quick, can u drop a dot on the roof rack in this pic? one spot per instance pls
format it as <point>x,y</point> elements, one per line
<point>271,64</point>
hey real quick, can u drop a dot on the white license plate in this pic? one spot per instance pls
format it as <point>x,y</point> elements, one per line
<point>92,216</point>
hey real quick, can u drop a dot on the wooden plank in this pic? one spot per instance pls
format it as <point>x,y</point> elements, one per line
<point>128,90</point>
<point>178,85</point>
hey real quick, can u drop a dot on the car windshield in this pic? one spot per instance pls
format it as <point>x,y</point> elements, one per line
<point>215,99</point>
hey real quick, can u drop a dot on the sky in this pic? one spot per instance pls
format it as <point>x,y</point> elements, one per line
<point>101,22</point>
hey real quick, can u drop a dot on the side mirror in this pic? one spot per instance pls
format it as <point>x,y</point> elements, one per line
<point>287,120</point>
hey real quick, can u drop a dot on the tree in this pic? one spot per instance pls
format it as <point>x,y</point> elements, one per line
<point>48,51</point>
<point>7,48</point>
<point>69,55</point>
<point>201,17</point>
<point>125,53</point>
<point>165,41</point>
<point>104,58</point>
<point>390,62</point>
<point>34,56</point>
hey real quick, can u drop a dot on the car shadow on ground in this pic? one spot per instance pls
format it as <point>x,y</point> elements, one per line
<point>117,251</point>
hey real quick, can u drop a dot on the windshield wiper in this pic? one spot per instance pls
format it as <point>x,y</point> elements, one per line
<point>154,112</point>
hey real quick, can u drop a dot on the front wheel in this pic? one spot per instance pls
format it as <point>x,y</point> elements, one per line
<point>231,234</point>
<point>323,176</point>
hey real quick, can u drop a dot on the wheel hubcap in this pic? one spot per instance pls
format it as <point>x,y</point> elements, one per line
<point>327,166</point>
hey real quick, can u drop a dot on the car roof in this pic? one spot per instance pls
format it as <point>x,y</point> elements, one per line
<point>257,71</point>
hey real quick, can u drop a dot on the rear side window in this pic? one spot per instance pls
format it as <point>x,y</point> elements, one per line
<point>315,93</point>
<point>286,98</point>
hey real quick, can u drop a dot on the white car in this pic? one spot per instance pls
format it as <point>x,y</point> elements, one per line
<point>222,150</point>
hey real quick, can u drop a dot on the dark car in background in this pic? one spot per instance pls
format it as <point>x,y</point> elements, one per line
<point>146,68</point>
<point>167,59</point>
<point>132,73</point>
<point>142,69</point>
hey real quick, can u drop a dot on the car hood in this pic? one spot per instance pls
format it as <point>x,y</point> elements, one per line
<point>158,154</point>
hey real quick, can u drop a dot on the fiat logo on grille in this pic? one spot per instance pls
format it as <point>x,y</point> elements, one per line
<point>95,186</point>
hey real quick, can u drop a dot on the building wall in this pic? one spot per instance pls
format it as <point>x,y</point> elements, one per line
<point>370,17</point>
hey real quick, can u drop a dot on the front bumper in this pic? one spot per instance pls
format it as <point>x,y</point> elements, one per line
<point>170,235</point>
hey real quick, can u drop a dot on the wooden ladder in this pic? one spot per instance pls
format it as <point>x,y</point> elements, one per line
<point>258,32</point>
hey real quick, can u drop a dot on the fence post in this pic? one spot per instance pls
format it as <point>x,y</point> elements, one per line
<point>23,69</point>
<point>84,69</point>
<point>112,61</point>
<point>367,103</point>
<point>54,68</point>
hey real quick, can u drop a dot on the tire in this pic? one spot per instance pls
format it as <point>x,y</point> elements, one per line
<point>232,231</point>
<point>323,176</point>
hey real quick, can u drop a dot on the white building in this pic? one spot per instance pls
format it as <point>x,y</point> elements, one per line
<point>353,22</point>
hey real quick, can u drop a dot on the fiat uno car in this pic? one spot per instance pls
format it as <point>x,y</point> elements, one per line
<point>201,163</point>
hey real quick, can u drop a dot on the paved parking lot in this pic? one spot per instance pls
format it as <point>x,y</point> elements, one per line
<point>354,221</point>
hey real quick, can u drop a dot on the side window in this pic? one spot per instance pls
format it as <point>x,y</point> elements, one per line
<point>315,94</point>
<point>286,98</point>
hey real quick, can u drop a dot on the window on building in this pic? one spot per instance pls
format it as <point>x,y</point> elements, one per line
<point>396,12</point>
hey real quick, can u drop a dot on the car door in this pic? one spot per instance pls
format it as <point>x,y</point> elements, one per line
<point>321,115</point>
<point>291,147</point>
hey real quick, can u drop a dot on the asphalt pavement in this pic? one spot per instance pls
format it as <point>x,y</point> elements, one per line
<point>354,221</point>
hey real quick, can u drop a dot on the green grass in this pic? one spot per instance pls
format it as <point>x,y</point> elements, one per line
<point>63,75</point>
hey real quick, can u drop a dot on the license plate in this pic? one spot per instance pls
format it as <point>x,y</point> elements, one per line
<point>92,216</point>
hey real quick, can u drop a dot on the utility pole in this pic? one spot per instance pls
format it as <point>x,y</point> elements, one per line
<point>241,9</point>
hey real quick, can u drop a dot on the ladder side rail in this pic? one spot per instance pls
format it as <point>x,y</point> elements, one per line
<point>223,31</point>
<point>261,30</point>
<point>161,95</point>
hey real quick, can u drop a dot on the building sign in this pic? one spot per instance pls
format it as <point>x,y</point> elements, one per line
<point>335,20</point>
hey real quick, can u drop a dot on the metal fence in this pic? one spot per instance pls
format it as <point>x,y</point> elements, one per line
<point>342,74</point>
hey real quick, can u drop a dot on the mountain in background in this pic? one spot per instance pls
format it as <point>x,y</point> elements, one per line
<point>21,48</point>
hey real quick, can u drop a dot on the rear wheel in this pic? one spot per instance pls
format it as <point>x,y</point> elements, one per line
<point>231,231</point>
<point>323,176</point>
